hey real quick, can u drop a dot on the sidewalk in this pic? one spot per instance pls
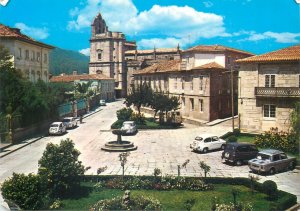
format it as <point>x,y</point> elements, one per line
<point>8,148</point>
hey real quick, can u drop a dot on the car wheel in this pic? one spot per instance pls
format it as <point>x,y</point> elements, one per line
<point>223,147</point>
<point>238,162</point>
<point>292,165</point>
<point>205,150</point>
<point>272,171</point>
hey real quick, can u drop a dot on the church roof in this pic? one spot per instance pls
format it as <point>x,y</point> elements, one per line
<point>71,78</point>
<point>151,51</point>
<point>15,33</point>
<point>291,53</point>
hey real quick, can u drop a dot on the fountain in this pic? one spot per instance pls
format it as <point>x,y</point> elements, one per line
<point>119,145</point>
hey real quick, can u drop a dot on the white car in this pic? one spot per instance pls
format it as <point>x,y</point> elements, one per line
<point>70,122</point>
<point>57,128</point>
<point>129,127</point>
<point>102,102</point>
<point>207,142</point>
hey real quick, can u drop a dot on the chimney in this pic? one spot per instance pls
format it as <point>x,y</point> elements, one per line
<point>75,72</point>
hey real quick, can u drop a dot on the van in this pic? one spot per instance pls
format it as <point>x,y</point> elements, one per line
<point>238,153</point>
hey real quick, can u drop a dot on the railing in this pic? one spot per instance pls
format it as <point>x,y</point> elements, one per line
<point>277,91</point>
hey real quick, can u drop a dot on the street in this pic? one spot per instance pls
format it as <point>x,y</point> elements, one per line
<point>163,149</point>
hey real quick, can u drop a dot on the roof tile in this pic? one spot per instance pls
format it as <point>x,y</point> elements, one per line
<point>71,78</point>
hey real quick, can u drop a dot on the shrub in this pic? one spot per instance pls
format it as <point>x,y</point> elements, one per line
<point>59,165</point>
<point>135,203</point>
<point>26,191</point>
<point>279,140</point>
<point>124,114</point>
<point>236,132</point>
<point>270,188</point>
<point>138,118</point>
<point>117,124</point>
<point>232,138</point>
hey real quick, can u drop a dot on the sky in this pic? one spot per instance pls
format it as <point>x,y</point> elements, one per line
<point>257,26</point>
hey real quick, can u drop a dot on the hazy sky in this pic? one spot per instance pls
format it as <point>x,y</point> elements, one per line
<point>257,26</point>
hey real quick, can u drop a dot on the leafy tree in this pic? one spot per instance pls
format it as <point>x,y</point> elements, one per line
<point>124,114</point>
<point>27,191</point>
<point>141,95</point>
<point>60,165</point>
<point>295,120</point>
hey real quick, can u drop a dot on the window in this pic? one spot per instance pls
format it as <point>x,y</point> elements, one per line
<point>38,56</point>
<point>20,53</point>
<point>27,54</point>
<point>32,55</point>
<point>270,111</point>
<point>99,56</point>
<point>207,140</point>
<point>45,58</point>
<point>201,83</point>
<point>192,104</point>
<point>269,80</point>
<point>201,105</point>
<point>276,157</point>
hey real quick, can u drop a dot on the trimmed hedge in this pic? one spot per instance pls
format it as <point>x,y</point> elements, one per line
<point>118,124</point>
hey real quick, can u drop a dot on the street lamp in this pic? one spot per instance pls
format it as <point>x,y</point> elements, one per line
<point>232,68</point>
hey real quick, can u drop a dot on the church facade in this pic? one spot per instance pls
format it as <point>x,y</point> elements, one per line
<point>112,55</point>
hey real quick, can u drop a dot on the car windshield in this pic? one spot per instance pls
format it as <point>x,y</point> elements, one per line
<point>127,124</point>
<point>198,138</point>
<point>66,120</point>
<point>54,125</point>
<point>229,147</point>
<point>262,156</point>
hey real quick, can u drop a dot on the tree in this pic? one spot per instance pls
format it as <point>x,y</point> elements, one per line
<point>60,166</point>
<point>142,95</point>
<point>204,167</point>
<point>123,160</point>
<point>25,190</point>
<point>295,120</point>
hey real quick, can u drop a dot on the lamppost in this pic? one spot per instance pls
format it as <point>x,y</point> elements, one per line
<point>232,69</point>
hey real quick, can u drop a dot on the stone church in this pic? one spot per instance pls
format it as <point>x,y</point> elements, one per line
<point>112,55</point>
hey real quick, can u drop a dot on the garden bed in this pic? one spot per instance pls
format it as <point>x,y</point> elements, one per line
<point>175,199</point>
<point>178,197</point>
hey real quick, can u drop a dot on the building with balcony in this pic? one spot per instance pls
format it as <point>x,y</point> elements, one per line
<point>201,81</point>
<point>269,88</point>
<point>29,56</point>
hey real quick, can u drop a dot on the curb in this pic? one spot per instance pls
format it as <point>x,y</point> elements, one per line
<point>28,143</point>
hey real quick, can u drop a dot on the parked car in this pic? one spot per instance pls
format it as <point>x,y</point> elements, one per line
<point>129,127</point>
<point>237,153</point>
<point>57,128</point>
<point>70,122</point>
<point>102,102</point>
<point>271,161</point>
<point>207,142</point>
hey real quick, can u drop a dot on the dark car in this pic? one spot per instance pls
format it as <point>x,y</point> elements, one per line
<point>237,153</point>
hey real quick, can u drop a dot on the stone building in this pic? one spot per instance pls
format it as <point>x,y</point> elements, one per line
<point>270,88</point>
<point>112,55</point>
<point>29,56</point>
<point>201,81</point>
<point>107,51</point>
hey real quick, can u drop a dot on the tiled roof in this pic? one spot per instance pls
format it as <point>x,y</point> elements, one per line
<point>161,67</point>
<point>70,78</point>
<point>14,33</point>
<point>158,50</point>
<point>215,49</point>
<point>286,54</point>
<point>130,43</point>
<point>212,65</point>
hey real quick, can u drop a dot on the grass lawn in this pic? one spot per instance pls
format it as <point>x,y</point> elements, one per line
<point>175,199</point>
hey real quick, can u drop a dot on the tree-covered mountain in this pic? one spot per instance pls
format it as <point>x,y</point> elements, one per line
<point>66,61</point>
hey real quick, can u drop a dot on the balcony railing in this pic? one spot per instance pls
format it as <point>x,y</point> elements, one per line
<point>277,91</point>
